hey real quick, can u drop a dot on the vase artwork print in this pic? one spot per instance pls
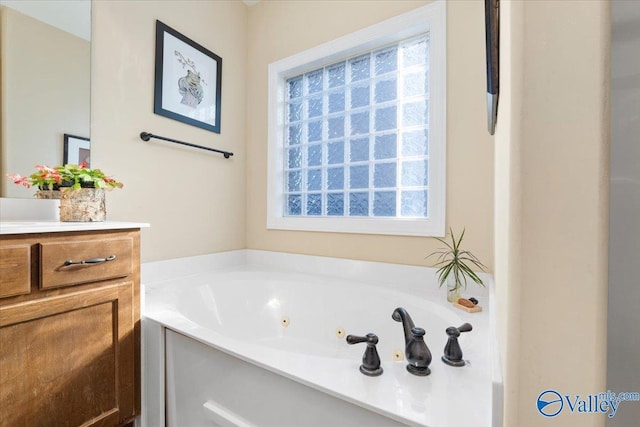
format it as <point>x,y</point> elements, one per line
<point>190,86</point>
<point>188,80</point>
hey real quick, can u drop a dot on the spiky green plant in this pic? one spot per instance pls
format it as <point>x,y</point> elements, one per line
<point>453,261</point>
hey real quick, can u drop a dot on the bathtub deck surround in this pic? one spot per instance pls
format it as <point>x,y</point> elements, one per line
<point>218,318</point>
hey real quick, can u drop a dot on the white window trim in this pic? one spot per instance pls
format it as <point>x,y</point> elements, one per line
<point>431,18</point>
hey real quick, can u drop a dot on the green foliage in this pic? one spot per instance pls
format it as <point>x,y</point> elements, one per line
<point>453,261</point>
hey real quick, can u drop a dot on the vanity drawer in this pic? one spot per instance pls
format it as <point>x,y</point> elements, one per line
<point>81,261</point>
<point>15,270</point>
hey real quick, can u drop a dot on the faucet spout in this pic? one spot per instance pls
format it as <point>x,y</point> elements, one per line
<point>401,315</point>
<point>416,350</point>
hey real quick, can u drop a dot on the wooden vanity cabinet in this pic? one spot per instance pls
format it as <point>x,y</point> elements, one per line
<point>70,334</point>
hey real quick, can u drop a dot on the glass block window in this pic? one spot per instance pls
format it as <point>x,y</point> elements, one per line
<point>357,135</point>
<point>357,131</point>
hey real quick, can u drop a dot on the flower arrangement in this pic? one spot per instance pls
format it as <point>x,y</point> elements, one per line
<point>453,264</point>
<point>69,176</point>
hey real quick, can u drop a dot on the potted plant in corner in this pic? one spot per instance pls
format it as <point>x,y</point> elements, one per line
<point>453,266</point>
<point>81,190</point>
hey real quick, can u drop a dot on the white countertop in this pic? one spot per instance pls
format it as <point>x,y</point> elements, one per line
<point>29,216</point>
<point>22,227</point>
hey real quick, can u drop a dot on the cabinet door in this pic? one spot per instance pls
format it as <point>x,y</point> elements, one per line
<point>15,270</point>
<point>68,360</point>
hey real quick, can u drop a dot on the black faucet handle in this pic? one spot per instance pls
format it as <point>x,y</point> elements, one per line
<point>452,331</point>
<point>465,327</point>
<point>370,360</point>
<point>452,351</point>
<point>370,338</point>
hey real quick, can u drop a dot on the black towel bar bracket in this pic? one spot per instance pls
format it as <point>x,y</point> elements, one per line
<point>146,136</point>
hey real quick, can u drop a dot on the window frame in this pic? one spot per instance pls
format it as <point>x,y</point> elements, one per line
<point>430,18</point>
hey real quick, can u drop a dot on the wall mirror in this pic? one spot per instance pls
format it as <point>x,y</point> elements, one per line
<point>45,84</point>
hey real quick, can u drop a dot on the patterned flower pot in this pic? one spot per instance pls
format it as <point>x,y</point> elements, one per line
<point>48,194</point>
<point>83,205</point>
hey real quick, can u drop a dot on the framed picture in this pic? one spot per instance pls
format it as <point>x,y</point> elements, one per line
<point>77,149</point>
<point>187,81</point>
<point>492,42</point>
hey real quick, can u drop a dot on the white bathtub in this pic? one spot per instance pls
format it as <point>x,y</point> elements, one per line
<point>283,320</point>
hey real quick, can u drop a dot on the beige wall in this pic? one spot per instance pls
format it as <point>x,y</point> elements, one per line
<point>45,94</point>
<point>278,29</point>
<point>551,204</point>
<point>193,199</point>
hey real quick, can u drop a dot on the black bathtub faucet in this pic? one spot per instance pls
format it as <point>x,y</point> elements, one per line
<point>371,359</point>
<point>416,350</point>
<point>452,351</point>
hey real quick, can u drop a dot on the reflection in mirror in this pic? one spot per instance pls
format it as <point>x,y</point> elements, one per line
<point>45,53</point>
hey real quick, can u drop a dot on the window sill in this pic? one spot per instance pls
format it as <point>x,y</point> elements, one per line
<point>384,226</point>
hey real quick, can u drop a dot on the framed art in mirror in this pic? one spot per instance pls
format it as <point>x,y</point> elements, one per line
<point>77,149</point>
<point>188,80</point>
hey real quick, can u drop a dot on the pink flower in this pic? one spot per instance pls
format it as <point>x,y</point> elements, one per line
<point>17,179</point>
<point>109,180</point>
<point>45,168</point>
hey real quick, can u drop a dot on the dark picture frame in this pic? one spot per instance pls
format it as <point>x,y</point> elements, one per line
<point>77,150</point>
<point>492,39</point>
<point>188,80</point>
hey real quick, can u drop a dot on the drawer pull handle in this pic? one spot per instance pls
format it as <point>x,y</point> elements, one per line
<point>90,261</point>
